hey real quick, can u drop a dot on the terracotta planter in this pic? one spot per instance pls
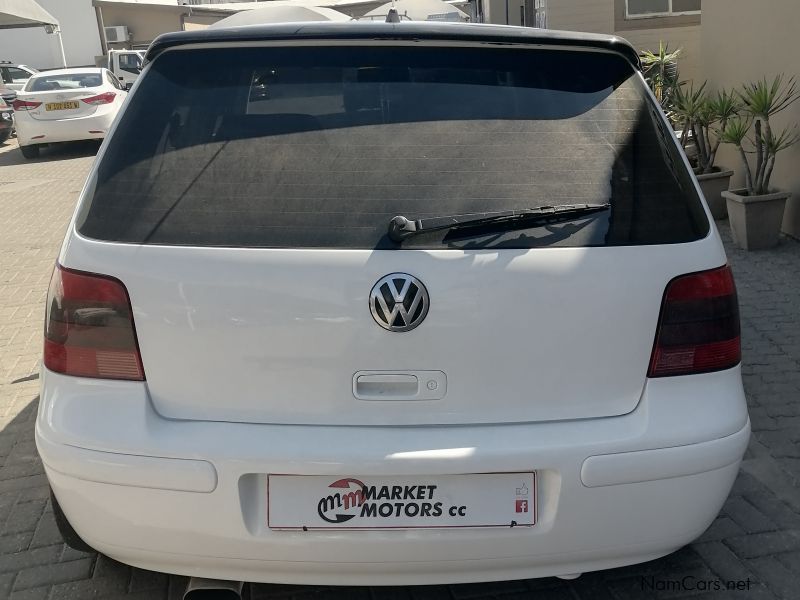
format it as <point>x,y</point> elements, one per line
<point>712,186</point>
<point>755,220</point>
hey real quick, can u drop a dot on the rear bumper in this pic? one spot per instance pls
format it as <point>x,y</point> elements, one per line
<point>30,131</point>
<point>190,497</point>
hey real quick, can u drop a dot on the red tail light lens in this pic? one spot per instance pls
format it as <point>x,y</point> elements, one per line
<point>106,98</point>
<point>89,328</point>
<point>25,105</point>
<point>698,330</point>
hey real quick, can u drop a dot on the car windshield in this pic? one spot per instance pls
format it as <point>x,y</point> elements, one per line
<point>70,81</point>
<point>322,146</point>
<point>130,61</point>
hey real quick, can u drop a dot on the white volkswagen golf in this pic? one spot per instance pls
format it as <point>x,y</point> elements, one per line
<point>66,105</point>
<point>390,304</point>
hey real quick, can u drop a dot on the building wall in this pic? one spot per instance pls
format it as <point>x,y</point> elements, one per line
<point>144,23</point>
<point>32,46</point>
<point>593,16</point>
<point>195,22</point>
<point>744,41</point>
<point>502,12</point>
<point>605,16</point>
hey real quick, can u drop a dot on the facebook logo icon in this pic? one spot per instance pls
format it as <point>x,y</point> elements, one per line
<point>522,506</point>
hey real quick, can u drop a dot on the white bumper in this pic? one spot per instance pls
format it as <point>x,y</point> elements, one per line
<point>32,131</point>
<point>189,497</point>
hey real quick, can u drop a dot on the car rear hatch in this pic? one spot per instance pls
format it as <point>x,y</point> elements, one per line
<point>245,197</point>
<point>64,96</point>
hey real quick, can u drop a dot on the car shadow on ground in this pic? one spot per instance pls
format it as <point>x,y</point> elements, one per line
<point>10,154</point>
<point>38,545</point>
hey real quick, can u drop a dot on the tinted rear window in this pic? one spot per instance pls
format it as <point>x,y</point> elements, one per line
<point>322,146</point>
<point>72,81</point>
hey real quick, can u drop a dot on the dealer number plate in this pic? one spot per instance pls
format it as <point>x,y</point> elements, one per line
<point>60,105</point>
<point>365,502</point>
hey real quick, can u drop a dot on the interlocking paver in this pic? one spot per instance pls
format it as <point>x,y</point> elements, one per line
<point>46,533</point>
<point>6,582</point>
<point>24,517</point>
<point>778,577</point>
<point>89,588</point>
<point>50,574</point>
<point>755,545</point>
<point>10,563</point>
<point>38,593</point>
<point>722,527</point>
<point>748,516</point>
<point>144,581</point>
<point>757,535</point>
<point>15,542</point>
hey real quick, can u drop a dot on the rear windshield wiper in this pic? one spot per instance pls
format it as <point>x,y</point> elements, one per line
<point>401,228</point>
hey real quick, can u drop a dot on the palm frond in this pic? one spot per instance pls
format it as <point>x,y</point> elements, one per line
<point>764,99</point>
<point>725,105</point>
<point>690,103</point>
<point>775,143</point>
<point>736,131</point>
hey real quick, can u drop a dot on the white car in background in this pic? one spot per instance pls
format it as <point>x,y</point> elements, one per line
<point>66,105</point>
<point>15,76</point>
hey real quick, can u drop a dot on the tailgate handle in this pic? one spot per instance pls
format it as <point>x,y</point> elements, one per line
<point>398,386</point>
<point>386,386</point>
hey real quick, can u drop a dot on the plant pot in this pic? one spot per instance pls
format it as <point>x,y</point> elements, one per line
<point>755,220</point>
<point>712,185</point>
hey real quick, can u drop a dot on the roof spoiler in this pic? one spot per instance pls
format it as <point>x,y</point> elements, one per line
<point>406,31</point>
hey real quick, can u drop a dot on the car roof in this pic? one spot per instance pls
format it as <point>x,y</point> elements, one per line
<point>404,31</point>
<point>74,71</point>
<point>11,63</point>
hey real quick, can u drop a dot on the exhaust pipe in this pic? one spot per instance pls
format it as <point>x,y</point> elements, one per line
<point>213,589</point>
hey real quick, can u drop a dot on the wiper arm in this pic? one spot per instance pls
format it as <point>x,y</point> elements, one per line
<point>401,228</point>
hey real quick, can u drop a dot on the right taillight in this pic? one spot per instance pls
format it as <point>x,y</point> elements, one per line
<point>698,330</point>
<point>106,98</point>
<point>89,328</point>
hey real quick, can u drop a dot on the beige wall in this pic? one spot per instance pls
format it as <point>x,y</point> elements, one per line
<point>146,24</point>
<point>594,16</point>
<point>495,11</point>
<point>195,22</point>
<point>743,41</point>
<point>598,16</point>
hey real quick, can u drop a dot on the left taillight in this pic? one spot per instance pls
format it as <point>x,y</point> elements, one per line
<point>106,98</point>
<point>698,330</point>
<point>22,105</point>
<point>89,330</point>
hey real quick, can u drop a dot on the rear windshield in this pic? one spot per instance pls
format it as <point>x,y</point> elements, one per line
<point>72,81</point>
<point>303,147</point>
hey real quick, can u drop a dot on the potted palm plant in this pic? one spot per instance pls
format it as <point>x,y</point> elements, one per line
<point>660,70</point>
<point>706,118</point>
<point>756,212</point>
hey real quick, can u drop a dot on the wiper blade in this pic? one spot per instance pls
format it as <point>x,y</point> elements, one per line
<point>401,228</point>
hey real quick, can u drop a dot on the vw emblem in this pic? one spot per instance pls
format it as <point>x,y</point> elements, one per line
<point>398,302</point>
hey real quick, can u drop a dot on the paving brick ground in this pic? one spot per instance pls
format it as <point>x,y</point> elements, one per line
<point>756,536</point>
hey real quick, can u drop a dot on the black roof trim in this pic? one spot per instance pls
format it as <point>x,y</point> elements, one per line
<point>370,30</point>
